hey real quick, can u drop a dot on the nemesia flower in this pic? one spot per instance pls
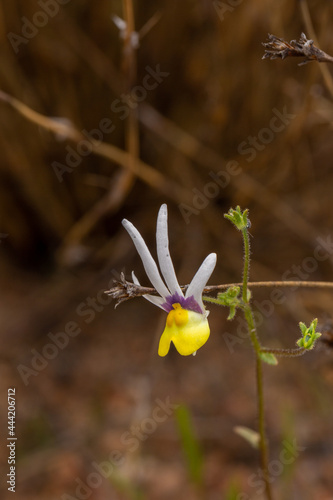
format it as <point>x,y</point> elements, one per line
<point>186,325</point>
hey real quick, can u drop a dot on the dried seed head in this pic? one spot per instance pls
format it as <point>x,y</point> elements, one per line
<point>277,47</point>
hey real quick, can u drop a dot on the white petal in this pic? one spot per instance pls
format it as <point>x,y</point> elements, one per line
<point>200,279</point>
<point>163,254</point>
<point>135,279</point>
<point>147,260</point>
<point>158,301</point>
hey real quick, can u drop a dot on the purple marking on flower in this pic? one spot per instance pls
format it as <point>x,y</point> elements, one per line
<point>188,303</point>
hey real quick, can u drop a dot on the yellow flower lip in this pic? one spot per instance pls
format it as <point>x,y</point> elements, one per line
<point>178,315</point>
<point>188,330</point>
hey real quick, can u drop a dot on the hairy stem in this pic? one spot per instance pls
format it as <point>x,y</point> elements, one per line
<point>262,432</point>
<point>288,353</point>
<point>263,446</point>
<point>246,269</point>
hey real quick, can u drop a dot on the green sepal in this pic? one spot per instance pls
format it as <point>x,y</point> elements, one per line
<point>309,335</point>
<point>238,218</point>
<point>229,298</point>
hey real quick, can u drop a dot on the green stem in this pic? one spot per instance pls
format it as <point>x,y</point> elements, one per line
<point>261,416</point>
<point>252,328</point>
<point>246,269</point>
<point>212,300</point>
<point>259,375</point>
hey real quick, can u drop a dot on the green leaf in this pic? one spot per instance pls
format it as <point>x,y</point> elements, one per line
<point>232,313</point>
<point>269,358</point>
<point>233,491</point>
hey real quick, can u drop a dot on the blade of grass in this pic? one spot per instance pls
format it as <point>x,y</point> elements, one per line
<point>190,445</point>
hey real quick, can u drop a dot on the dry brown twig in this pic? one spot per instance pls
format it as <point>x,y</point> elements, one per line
<point>277,47</point>
<point>125,290</point>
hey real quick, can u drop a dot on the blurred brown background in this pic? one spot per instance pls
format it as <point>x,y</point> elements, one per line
<point>62,243</point>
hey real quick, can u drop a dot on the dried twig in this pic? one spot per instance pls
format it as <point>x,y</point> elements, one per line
<point>125,290</point>
<point>277,47</point>
<point>305,11</point>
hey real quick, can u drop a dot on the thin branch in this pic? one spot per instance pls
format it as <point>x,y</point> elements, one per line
<point>192,148</point>
<point>288,353</point>
<point>131,163</point>
<point>125,290</point>
<point>65,129</point>
<point>275,284</point>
